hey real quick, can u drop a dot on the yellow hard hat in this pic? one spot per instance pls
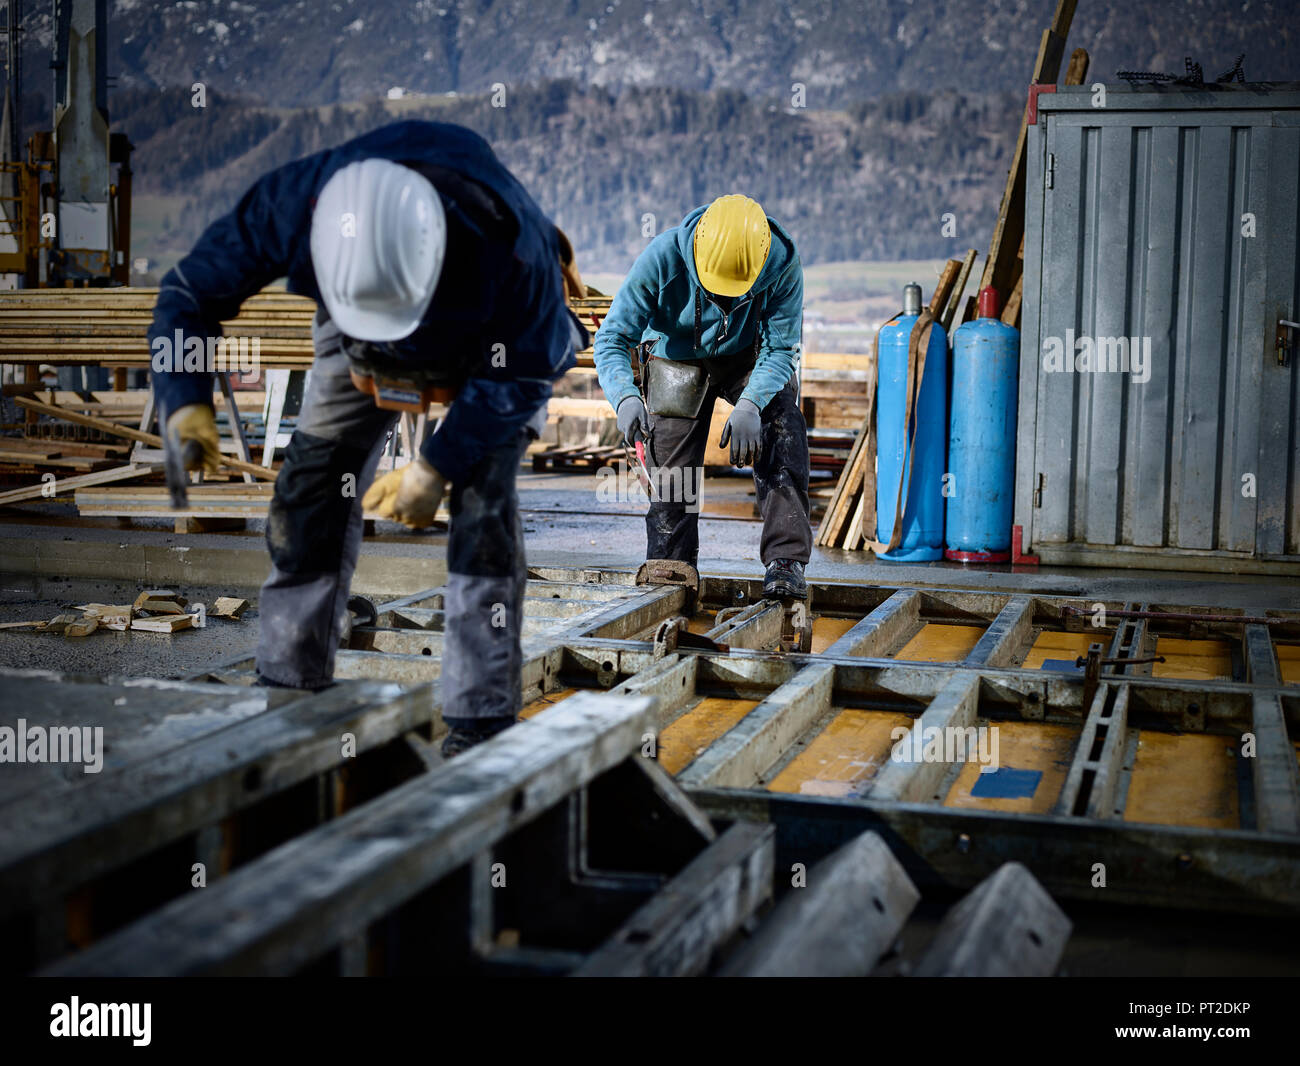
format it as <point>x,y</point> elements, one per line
<point>732,240</point>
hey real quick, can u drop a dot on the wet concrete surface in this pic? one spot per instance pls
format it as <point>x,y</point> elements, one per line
<point>109,652</point>
<point>52,561</point>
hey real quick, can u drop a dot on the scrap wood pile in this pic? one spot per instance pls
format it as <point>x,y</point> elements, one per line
<point>851,512</point>
<point>154,611</point>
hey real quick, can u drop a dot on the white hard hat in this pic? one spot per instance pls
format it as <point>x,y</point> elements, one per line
<point>378,237</point>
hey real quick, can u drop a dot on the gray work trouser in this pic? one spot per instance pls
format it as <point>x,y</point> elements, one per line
<point>314,537</point>
<point>677,447</point>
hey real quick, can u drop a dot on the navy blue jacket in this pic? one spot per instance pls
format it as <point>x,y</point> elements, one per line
<point>500,283</point>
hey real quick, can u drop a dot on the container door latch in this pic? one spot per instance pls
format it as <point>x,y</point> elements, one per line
<point>1286,340</point>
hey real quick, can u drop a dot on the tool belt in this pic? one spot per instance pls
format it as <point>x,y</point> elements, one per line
<point>676,388</point>
<point>396,385</point>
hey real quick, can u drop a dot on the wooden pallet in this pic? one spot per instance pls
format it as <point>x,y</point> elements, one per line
<point>576,457</point>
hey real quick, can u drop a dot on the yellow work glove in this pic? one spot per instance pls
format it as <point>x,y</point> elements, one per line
<point>410,495</point>
<point>196,422</point>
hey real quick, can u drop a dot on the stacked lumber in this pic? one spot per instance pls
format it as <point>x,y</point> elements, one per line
<point>1004,267</point>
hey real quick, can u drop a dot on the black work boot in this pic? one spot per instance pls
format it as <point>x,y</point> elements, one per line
<point>784,581</point>
<point>465,733</point>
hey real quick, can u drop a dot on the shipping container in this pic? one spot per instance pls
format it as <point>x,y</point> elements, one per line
<point>1159,422</point>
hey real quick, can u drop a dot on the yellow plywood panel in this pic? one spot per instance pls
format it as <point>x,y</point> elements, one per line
<point>1032,760</point>
<point>1200,660</point>
<point>549,700</point>
<point>941,644</point>
<point>844,756</point>
<point>826,631</point>
<point>1051,645</point>
<point>1288,661</point>
<point>1183,780</point>
<point>699,727</point>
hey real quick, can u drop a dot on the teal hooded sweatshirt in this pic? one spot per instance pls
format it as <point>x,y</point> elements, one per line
<point>662,300</point>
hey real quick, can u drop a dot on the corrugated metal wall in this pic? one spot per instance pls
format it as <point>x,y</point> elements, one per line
<point>1168,220</point>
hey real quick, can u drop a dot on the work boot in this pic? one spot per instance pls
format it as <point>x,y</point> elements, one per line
<point>465,733</point>
<point>784,581</point>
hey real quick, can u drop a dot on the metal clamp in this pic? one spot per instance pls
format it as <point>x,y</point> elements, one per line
<point>672,572</point>
<point>796,628</point>
<point>666,636</point>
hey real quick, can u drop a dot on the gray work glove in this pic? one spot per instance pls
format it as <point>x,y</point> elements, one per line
<point>744,429</point>
<point>632,419</point>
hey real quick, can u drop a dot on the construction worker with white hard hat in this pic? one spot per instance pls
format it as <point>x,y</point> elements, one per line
<point>436,278</point>
<point>714,308</point>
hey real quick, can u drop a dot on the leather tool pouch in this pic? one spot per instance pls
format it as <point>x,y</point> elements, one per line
<point>675,389</point>
<point>396,385</point>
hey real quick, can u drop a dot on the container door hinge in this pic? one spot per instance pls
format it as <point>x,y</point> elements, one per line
<point>1038,490</point>
<point>1049,175</point>
<point>1287,333</point>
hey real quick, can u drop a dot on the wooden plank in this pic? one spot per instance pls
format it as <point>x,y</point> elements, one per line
<point>851,911</point>
<point>1077,69</point>
<point>1010,227</point>
<point>66,484</point>
<point>265,473</point>
<point>309,895</point>
<point>228,607</point>
<point>959,287</point>
<point>1011,313</point>
<point>1008,926</point>
<point>172,623</point>
<point>678,931</point>
<point>943,288</point>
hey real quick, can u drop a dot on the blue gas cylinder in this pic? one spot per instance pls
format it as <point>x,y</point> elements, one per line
<point>982,436</point>
<point>922,534</point>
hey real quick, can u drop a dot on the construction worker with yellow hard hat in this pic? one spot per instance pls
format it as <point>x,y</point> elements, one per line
<point>714,308</point>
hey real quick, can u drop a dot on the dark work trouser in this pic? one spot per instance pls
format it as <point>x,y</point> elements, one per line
<point>314,536</point>
<point>677,447</point>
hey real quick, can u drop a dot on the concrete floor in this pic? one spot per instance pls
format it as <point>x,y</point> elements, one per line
<point>50,561</point>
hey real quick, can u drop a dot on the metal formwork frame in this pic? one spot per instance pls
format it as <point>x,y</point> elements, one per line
<point>282,750</point>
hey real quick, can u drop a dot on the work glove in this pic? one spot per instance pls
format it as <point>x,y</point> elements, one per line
<point>744,429</point>
<point>633,422</point>
<point>196,422</point>
<point>410,495</point>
